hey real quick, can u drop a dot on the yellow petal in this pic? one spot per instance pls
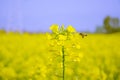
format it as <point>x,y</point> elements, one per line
<point>62,37</point>
<point>70,29</point>
<point>54,28</point>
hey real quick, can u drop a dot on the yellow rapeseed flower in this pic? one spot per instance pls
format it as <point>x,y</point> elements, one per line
<point>54,28</point>
<point>78,46</point>
<point>62,37</point>
<point>70,29</point>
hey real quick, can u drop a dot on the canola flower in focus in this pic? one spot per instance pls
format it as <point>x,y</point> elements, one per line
<point>62,36</point>
<point>54,28</point>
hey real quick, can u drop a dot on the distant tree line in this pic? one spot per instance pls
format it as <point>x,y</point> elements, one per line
<point>110,25</point>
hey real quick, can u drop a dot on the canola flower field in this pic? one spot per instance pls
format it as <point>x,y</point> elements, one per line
<point>30,57</point>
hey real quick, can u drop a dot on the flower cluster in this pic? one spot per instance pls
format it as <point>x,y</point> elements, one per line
<point>63,42</point>
<point>62,36</point>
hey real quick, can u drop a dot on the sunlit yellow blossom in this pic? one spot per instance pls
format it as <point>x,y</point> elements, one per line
<point>80,55</point>
<point>59,43</point>
<point>65,38</point>
<point>62,37</point>
<point>71,36</point>
<point>54,28</point>
<point>78,46</point>
<point>77,59</point>
<point>70,29</point>
<point>52,42</point>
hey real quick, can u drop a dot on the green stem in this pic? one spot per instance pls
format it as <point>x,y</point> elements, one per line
<point>63,62</point>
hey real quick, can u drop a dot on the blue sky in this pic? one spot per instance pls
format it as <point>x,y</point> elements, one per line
<point>38,15</point>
